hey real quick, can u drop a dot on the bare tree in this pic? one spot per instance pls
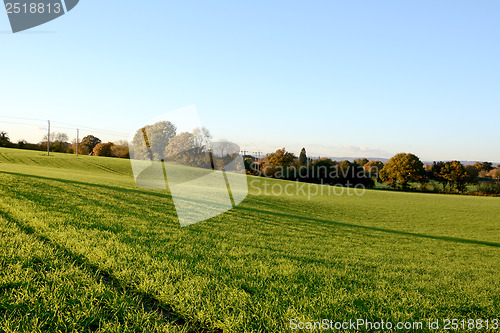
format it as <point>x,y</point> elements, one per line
<point>201,139</point>
<point>224,148</point>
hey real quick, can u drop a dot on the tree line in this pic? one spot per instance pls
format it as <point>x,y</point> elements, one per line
<point>59,143</point>
<point>404,171</point>
<point>285,165</point>
<point>162,142</point>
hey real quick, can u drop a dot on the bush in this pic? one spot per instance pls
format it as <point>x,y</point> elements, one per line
<point>429,187</point>
<point>488,189</point>
<point>495,173</point>
<point>103,149</point>
<point>120,150</point>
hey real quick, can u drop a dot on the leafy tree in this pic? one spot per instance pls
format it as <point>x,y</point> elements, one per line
<point>437,174</point>
<point>373,167</point>
<point>191,149</point>
<point>277,164</point>
<point>473,174</point>
<point>483,166</point>
<point>361,161</point>
<point>303,157</point>
<point>183,142</point>
<point>487,166</point>
<point>495,173</point>
<point>479,166</point>
<point>4,139</point>
<point>323,161</point>
<point>153,139</point>
<point>352,174</point>
<point>322,169</point>
<point>343,167</point>
<point>21,144</point>
<point>402,169</point>
<point>280,158</point>
<point>120,149</point>
<point>248,165</point>
<point>103,149</point>
<point>456,174</point>
<point>88,144</point>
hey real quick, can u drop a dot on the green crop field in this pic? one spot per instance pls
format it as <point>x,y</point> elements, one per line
<point>82,248</point>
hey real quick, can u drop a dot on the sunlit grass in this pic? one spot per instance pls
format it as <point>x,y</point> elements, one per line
<point>384,255</point>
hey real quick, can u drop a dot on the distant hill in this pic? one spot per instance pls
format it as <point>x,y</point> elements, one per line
<point>335,158</point>
<point>385,160</point>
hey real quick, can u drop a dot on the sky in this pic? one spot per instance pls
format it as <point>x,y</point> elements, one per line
<point>340,78</point>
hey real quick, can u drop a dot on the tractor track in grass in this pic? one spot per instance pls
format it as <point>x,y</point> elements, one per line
<point>104,168</point>
<point>148,302</point>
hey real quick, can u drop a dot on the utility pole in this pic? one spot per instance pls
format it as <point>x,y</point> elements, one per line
<point>77,134</point>
<point>48,139</point>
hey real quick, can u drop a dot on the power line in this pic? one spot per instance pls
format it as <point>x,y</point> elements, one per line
<point>95,131</point>
<point>19,118</point>
<point>72,126</point>
<point>16,123</point>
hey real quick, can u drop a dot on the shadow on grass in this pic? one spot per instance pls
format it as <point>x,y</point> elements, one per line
<point>280,214</point>
<point>77,182</point>
<point>357,226</point>
<point>148,302</point>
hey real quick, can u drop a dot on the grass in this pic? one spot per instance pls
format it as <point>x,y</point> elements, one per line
<point>42,289</point>
<point>385,255</point>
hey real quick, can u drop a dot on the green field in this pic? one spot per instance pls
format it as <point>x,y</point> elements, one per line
<point>83,248</point>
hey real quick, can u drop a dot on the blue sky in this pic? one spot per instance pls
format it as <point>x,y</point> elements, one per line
<point>341,78</point>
